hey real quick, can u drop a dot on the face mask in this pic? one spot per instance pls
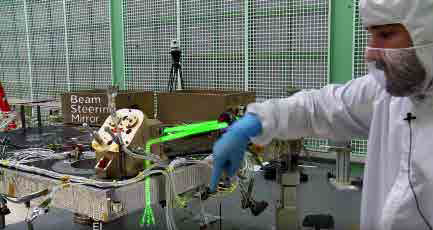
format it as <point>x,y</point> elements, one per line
<point>399,71</point>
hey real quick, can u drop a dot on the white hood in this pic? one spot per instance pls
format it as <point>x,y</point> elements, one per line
<point>415,15</point>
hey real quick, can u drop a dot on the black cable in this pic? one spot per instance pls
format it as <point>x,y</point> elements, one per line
<point>409,119</point>
<point>221,217</point>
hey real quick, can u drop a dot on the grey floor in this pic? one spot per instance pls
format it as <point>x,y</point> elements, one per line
<point>317,196</point>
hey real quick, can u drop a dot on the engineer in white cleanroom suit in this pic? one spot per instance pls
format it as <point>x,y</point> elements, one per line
<point>392,106</point>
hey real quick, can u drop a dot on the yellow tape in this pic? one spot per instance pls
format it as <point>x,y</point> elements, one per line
<point>104,217</point>
<point>66,185</point>
<point>65,179</point>
<point>11,189</point>
<point>181,202</point>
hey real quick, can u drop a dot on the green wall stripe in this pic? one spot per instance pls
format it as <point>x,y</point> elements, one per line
<point>341,41</point>
<point>117,44</point>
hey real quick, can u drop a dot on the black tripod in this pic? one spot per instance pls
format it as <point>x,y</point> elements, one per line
<point>176,68</point>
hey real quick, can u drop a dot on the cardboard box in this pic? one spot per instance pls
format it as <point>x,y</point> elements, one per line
<point>199,105</point>
<point>91,106</point>
<point>153,131</point>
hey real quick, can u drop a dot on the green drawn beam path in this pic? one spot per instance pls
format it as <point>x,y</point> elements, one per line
<point>171,134</point>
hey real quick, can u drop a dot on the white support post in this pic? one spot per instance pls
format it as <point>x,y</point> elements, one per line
<point>29,58</point>
<point>246,44</point>
<point>68,77</point>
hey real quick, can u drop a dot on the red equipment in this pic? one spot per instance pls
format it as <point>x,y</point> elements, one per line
<point>5,108</point>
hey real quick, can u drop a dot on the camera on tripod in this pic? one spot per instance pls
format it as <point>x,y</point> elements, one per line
<point>175,77</point>
<point>175,52</point>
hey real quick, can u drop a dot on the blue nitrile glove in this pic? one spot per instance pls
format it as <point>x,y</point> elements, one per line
<point>229,150</point>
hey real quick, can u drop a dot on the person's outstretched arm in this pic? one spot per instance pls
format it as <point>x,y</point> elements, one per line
<point>337,112</point>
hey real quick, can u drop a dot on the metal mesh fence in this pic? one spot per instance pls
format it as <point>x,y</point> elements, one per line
<point>212,38</point>
<point>269,47</point>
<point>14,65</point>
<point>49,47</point>
<point>88,34</point>
<point>281,45</point>
<point>359,66</point>
<point>288,46</point>
<point>288,49</point>
<point>149,26</point>
<point>359,44</point>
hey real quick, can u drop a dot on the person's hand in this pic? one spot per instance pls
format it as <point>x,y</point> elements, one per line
<point>229,150</point>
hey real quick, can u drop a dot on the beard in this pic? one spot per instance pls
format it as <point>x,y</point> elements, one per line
<point>404,73</point>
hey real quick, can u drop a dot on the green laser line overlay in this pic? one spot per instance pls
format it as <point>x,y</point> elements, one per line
<point>207,127</point>
<point>172,134</point>
<point>187,127</point>
<point>148,217</point>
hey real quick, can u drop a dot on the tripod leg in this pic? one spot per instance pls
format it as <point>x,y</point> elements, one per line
<point>181,77</point>
<point>178,84</point>
<point>171,79</point>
